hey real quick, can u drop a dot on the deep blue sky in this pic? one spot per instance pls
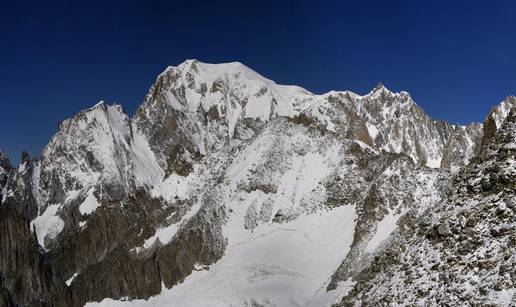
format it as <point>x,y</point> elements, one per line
<point>456,58</point>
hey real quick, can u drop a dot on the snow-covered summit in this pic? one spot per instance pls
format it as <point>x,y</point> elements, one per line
<point>378,91</point>
<point>501,111</point>
<point>95,152</point>
<point>208,104</point>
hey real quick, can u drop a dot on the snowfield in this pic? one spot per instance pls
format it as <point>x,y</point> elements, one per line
<point>278,265</point>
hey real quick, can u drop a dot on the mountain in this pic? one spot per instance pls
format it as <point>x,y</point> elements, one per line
<point>226,188</point>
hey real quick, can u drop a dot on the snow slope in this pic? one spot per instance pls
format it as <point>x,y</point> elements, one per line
<point>277,265</point>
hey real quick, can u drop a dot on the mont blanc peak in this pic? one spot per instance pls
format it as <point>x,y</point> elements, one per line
<point>206,105</point>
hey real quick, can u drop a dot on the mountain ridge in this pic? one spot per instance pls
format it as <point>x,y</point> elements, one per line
<point>218,158</point>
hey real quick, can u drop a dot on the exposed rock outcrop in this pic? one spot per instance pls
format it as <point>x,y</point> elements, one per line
<point>461,250</point>
<point>26,277</point>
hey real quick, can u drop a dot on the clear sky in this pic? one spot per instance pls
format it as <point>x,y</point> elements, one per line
<point>456,58</point>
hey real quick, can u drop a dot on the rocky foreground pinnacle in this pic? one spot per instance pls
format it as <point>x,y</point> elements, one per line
<point>461,250</point>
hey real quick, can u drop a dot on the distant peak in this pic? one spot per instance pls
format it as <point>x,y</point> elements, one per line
<point>189,64</point>
<point>118,107</point>
<point>99,109</point>
<point>99,104</point>
<point>502,110</point>
<point>25,158</point>
<point>206,72</point>
<point>196,65</point>
<point>379,88</point>
<point>4,160</point>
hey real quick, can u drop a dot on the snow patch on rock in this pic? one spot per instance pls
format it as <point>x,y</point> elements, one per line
<point>383,230</point>
<point>48,225</point>
<point>90,204</point>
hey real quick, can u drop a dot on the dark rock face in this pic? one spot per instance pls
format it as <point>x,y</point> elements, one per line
<point>117,275</point>
<point>26,275</point>
<point>18,189</point>
<point>462,145</point>
<point>103,251</point>
<point>5,169</point>
<point>166,128</point>
<point>5,298</point>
